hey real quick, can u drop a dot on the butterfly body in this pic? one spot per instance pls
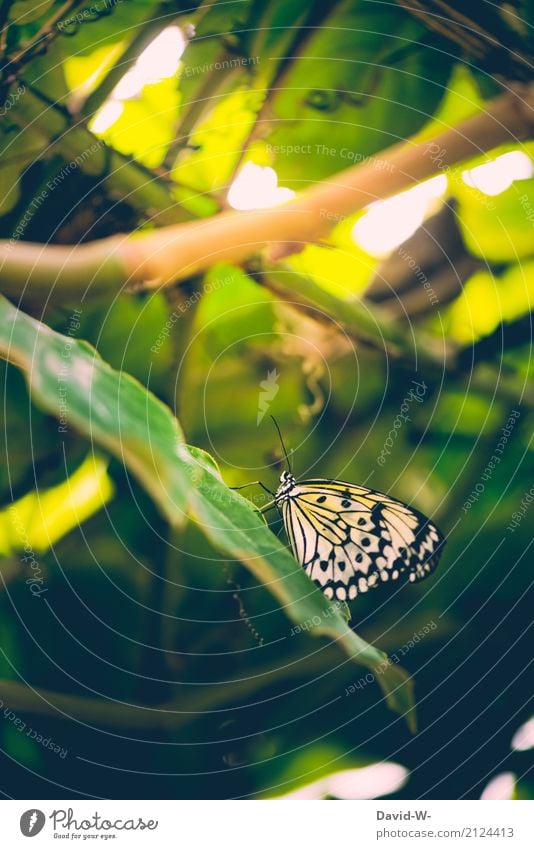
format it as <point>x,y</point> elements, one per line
<point>349,538</point>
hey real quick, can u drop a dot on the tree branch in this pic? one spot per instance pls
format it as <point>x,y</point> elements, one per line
<point>170,254</point>
<point>123,177</point>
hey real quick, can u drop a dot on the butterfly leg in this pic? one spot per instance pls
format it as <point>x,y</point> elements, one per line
<point>253,483</point>
<point>268,506</point>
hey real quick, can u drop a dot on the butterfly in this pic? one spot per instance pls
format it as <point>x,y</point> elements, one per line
<point>350,539</point>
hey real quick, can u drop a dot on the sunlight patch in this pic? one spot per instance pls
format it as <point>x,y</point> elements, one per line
<point>256,187</point>
<point>388,223</point>
<point>495,177</point>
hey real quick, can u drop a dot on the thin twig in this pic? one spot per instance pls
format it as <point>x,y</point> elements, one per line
<point>147,32</point>
<point>47,30</point>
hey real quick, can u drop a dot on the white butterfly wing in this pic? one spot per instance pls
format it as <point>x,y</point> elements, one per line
<point>349,538</point>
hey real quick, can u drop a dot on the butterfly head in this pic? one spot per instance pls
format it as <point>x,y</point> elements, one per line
<point>287,482</point>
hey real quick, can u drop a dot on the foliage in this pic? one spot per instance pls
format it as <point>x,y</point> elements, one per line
<point>147,608</point>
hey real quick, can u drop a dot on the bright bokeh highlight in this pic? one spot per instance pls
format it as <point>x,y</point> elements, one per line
<point>388,223</point>
<point>41,518</point>
<point>500,788</point>
<point>368,782</point>
<point>106,116</point>
<point>159,60</point>
<point>256,187</point>
<point>523,738</point>
<point>495,177</point>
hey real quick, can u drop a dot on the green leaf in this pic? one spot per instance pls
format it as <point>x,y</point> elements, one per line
<point>69,380</point>
<point>363,80</point>
<point>126,330</point>
<point>213,35</point>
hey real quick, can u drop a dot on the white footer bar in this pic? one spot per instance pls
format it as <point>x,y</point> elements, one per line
<point>269,824</point>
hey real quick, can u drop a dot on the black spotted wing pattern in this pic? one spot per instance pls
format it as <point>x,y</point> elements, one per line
<point>350,539</point>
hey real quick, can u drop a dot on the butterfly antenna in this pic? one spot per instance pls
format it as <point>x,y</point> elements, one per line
<point>286,455</point>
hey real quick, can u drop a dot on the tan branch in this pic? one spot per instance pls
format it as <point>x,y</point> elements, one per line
<point>170,254</point>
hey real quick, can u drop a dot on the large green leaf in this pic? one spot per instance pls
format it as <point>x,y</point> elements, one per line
<point>365,79</point>
<point>68,379</point>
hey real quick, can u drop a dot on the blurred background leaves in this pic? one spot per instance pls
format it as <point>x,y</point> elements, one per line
<point>139,613</point>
